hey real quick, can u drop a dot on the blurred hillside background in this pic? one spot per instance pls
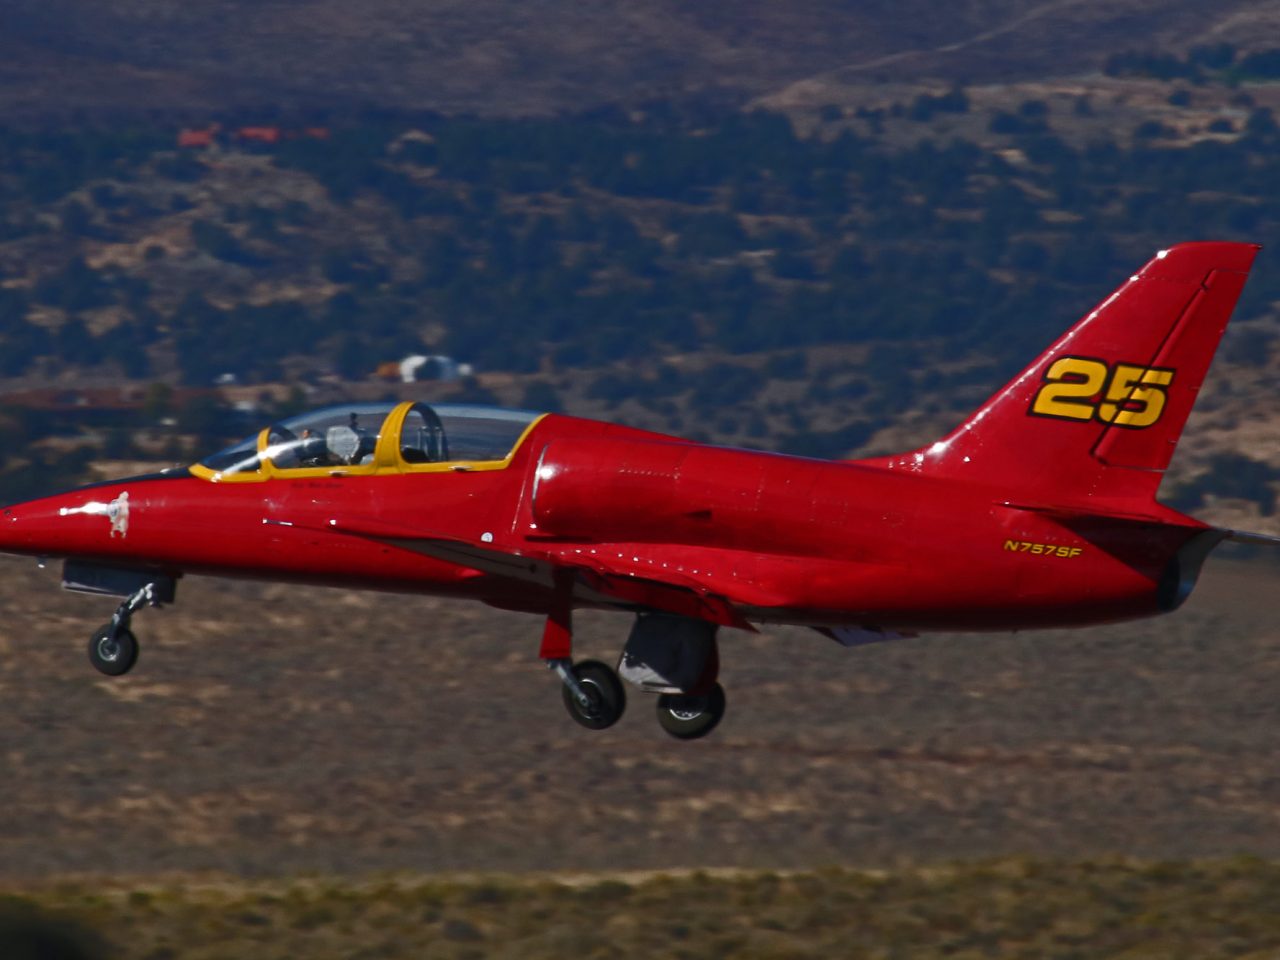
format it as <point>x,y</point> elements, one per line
<point>739,225</point>
<point>823,228</point>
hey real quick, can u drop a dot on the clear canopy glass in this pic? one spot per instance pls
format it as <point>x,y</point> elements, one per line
<point>347,435</point>
<point>476,432</point>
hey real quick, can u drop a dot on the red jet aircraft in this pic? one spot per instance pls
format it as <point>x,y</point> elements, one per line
<point>1040,510</point>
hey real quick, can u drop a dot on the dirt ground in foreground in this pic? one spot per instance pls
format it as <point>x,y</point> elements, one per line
<point>272,731</point>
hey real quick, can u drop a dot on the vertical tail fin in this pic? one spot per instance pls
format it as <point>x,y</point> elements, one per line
<point>1097,416</point>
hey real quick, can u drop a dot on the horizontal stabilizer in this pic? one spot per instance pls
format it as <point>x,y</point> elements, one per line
<point>1138,516</point>
<point>1091,513</point>
<point>1253,539</point>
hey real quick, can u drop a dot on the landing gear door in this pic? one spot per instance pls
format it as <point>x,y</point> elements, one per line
<point>80,577</point>
<point>667,654</point>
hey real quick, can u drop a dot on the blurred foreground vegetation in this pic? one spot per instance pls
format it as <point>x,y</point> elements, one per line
<point>1009,908</point>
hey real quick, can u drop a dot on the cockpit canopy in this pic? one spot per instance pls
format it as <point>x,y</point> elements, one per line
<point>356,438</point>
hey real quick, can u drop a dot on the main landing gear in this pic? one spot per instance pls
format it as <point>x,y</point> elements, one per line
<point>674,657</point>
<point>689,716</point>
<point>593,694</point>
<point>113,649</point>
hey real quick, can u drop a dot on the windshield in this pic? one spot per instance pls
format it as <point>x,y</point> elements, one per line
<point>242,458</point>
<point>347,435</point>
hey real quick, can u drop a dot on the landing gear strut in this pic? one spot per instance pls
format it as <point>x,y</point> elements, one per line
<point>113,649</point>
<point>593,694</point>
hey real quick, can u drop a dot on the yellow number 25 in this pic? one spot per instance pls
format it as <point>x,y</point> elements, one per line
<point>1080,388</point>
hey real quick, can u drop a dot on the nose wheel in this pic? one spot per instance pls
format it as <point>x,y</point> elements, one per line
<point>113,649</point>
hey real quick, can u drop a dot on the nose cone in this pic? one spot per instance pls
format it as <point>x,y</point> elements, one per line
<point>90,520</point>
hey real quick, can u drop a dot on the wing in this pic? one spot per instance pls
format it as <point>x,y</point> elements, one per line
<point>599,577</point>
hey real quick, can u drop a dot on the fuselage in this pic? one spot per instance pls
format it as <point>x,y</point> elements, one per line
<point>781,538</point>
<point>1039,510</point>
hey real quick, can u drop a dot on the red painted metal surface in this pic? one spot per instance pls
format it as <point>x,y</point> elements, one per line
<point>1038,511</point>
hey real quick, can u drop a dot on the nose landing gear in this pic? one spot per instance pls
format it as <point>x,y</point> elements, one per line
<point>113,649</point>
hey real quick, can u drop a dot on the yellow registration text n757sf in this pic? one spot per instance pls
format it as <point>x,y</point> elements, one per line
<point>1043,549</point>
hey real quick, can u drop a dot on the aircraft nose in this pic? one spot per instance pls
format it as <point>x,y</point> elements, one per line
<point>30,527</point>
<point>60,525</point>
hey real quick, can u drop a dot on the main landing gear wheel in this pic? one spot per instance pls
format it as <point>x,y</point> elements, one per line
<point>602,697</point>
<point>113,650</point>
<point>689,716</point>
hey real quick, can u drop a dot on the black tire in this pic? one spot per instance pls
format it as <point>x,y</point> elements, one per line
<point>603,688</point>
<point>690,716</point>
<point>113,656</point>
